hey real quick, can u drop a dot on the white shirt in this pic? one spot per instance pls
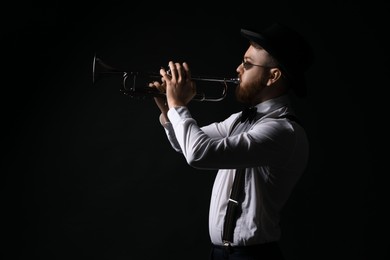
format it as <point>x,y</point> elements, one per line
<point>273,150</point>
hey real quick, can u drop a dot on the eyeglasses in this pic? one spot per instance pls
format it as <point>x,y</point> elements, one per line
<point>248,65</point>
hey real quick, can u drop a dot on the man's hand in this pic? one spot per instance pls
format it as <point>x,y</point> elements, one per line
<point>161,101</point>
<point>180,89</point>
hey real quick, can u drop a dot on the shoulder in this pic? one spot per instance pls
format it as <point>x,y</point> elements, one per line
<point>277,126</point>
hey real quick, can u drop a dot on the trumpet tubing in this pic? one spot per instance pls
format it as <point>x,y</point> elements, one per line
<point>135,84</point>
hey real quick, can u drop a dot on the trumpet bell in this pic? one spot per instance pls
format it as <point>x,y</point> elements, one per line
<point>101,69</point>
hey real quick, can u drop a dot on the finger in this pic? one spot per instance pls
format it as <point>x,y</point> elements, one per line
<point>182,74</point>
<point>187,70</point>
<point>178,71</point>
<point>172,68</point>
<point>157,85</point>
<point>154,84</point>
<point>164,75</point>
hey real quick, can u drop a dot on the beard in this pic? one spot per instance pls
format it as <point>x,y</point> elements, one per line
<point>248,93</point>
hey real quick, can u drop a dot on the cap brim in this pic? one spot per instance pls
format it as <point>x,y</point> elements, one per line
<point>257,38</point>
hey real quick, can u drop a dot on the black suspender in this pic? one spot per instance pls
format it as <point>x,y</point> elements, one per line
<point>233,205</point>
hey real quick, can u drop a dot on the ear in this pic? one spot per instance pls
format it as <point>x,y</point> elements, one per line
<point>274,75</point>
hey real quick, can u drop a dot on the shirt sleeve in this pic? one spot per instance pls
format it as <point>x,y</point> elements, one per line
<point>214,130</point>
<point>263,144</point>
<point>171,135</point>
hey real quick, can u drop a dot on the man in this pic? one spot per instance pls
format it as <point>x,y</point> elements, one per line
<point>265,144</point>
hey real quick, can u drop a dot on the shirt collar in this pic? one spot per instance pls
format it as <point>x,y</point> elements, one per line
<point>270,105</point>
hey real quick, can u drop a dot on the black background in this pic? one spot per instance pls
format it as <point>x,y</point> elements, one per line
<point>88,172</point>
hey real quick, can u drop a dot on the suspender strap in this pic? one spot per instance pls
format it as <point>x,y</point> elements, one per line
<point>232,207</point>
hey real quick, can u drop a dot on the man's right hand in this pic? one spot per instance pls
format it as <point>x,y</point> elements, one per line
<point>161,101</point>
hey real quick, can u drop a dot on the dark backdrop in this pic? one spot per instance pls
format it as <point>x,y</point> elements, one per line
<point>88,172</point>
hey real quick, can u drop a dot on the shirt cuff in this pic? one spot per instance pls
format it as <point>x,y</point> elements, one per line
<point>178,114</point>
<point>166,124</point>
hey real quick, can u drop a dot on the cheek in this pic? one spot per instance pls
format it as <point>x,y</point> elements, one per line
<point>251,76</point>
<point>251,83</point>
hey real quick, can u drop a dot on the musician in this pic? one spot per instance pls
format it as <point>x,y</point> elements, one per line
<point>265,144</point>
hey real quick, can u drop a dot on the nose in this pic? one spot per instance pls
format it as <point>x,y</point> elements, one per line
<point>239,68</point>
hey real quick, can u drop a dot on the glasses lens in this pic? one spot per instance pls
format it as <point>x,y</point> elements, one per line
<point>246,65</point>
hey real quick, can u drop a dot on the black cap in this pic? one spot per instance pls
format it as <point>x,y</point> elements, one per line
<point>289,48</point>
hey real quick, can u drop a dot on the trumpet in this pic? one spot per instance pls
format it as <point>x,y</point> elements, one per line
<point>132,81</point>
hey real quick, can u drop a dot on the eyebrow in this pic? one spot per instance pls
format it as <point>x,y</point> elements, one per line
<point>246,58</point>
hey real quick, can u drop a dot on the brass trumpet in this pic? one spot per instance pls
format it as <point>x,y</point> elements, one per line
<point>131,82</point>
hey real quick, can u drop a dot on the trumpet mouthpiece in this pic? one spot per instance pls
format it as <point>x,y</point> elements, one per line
<point>235,80</point>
